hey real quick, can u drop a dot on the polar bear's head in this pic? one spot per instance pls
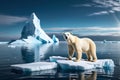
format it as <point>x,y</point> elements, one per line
<point>67,35</point>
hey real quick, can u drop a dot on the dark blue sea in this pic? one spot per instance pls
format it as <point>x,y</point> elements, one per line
<point>37,53</point>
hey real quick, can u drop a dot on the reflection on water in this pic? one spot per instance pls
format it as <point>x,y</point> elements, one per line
<point>36,53</point>
<point>92,76</point>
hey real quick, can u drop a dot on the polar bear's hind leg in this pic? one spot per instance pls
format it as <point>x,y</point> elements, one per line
<point>89,56</point>
<point>93,53</point>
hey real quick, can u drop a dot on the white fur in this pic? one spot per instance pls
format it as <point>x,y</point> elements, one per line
<point>80,45</point>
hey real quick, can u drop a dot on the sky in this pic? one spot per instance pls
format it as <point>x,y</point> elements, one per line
<point>84,17</point>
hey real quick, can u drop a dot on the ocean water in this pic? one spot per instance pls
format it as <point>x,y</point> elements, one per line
<point>36,53</point>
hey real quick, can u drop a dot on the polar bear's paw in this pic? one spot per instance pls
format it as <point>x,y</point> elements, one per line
<point>76,60</point>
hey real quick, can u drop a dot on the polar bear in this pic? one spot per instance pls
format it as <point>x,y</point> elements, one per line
<point>80,45</point>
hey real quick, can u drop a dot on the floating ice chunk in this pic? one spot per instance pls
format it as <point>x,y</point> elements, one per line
<point>36,66</point>
<point>71,65</point>
<point>103,63</point>
<point>23,42</point>
<point>3,42</point>
<point>55,58</point>
<point>82,65</point>
<point>55,39</point>
<point>17,42</point>
<point>104,41</point>
<point>31,39</point>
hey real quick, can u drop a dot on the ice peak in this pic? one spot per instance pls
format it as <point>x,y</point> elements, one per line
<point>35,20</point>
<point>33,28</point>
<point>33,15</point>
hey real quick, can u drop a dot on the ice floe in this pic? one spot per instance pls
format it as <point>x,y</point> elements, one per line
<point>35,66</point>
<point>82,65</point>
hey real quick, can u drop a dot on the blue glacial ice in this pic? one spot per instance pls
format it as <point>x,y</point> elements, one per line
<point>82,65</point>
<point>55,39</point>
<point>33,33</point>
<point>35,66</point>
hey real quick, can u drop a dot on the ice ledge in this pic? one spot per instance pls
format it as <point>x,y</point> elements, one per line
<point>64,64</point>
<point>82,65</point>
<point>35,66</point>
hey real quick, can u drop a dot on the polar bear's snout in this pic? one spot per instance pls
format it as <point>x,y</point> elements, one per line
<point>65,36</point>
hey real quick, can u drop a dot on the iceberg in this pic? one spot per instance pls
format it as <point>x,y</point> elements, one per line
<point>82,65</point>
<point>55,39</point>
<point>35,66</point>
<point>24,42</point>
<point>15,43</point>
<point>33,33</point>
<point>33,28</point>
<point>31,39</point>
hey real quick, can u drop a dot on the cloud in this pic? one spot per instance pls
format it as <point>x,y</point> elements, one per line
<point>85,28</point>
<point>114,31</point>
<point>7,19</point>
<point>116,8</point>
<point>104,3</point>
<point>109,6</point>
<point>107,3</point>
<point>82,5</point>
<point>98,13</point>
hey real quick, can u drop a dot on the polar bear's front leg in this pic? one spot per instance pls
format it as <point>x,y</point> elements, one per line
<point>78,56</point>
<point>79,53</point>
<point>71,52</point>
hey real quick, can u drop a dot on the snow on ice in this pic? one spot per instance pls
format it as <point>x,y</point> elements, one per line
<point>82,65</point>
<point>35,66</point>
<point>64,64</point>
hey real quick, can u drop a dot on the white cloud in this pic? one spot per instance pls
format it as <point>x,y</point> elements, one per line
<point>87,5</point>
<point>116,8</point>
<point>82,5</point>
<point>7,19</point>
<point>98,13</point>
<point>114,31</point>
<point>109,6</point>
<point>111,11</point>
<point>85,28</point>
<point>104,3</point>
